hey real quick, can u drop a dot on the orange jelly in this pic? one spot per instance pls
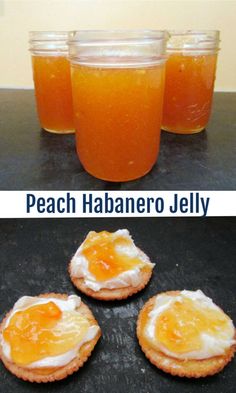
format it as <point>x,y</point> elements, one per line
<point>188,92</point>
<point>41,331</point>
<point>105,258</point>
<point>180,326</point>
<point>117,119</point>
<point>53,93</point>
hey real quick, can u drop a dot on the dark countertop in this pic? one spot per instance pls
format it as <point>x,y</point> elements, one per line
<point>34,159</point>
<point>189,253</point>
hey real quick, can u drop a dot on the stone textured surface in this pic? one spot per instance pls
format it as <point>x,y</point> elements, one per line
<point>189,253</point>
<point>34,159</point>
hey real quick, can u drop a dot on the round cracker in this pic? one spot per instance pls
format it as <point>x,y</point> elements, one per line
<point>115,293</point>
<point>182,368</point>
<point>54,374</point>
<point>111,294</point>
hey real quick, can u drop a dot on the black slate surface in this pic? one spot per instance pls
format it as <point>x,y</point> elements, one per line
<point>189,253</point>
<point>34,159</point>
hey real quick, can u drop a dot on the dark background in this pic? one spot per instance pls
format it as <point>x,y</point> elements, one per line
<point>31,159</point>
<point>191,253</point>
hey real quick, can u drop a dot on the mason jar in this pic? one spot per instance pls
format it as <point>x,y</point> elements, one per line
<point>52,81</point>
<point>117,86</point>
<point>190,77</point>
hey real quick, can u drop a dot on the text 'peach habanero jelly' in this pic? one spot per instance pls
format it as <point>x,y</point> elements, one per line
<point>117,85</point>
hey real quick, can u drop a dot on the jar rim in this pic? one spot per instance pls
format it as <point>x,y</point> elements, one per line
<point>193,32</point>
<point>191,40</point>
<point>117,47</point>
<point>80,36</point>
<point>48,35</point>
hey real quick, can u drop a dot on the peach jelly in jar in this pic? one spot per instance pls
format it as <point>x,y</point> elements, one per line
<point>189,84</point>
<point>117,86</point>
<point>52,81</point>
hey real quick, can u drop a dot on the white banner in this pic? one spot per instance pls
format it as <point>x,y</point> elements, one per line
<point>56,204</point>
